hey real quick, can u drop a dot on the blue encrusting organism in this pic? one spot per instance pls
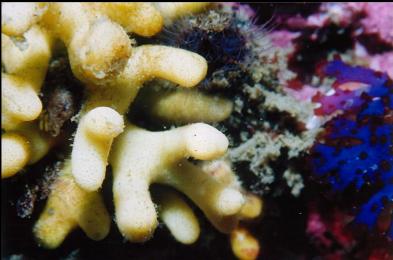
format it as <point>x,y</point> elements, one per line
<point>356,148</point>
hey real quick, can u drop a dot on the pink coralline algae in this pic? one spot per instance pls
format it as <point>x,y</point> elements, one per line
<point>379,20</point>
<point>374,19</point>
<point>383,62</point>
<point>356,149</point>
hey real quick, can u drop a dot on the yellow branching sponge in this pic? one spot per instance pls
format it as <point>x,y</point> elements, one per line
<point>17,18</point>
<point>147,62</point>
<point>97,46</point>
<point>140,157</point>
<point>103,56</point>
<point>96,33</point>
<point>68,207</point>
<point>139,18</point>
<point>178,216</point>
<point>25,64</point>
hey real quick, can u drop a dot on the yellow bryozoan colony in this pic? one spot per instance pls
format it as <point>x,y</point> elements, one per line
<point>113,69</point>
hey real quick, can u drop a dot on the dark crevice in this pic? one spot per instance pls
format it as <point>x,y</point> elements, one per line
<point>310,52</point>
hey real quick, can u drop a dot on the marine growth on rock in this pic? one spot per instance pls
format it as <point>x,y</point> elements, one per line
<point>356,148</point>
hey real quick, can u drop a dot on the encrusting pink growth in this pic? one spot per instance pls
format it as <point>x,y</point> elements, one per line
<point>379,21</point>
<point>383,63</point>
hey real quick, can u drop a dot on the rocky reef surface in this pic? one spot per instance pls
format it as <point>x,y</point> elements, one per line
<point>299,102</point>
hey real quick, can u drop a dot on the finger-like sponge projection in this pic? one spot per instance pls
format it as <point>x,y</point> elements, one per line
<point>19,101</point>
<point>25,145</point>
<point>92,144</point>
<point>25,64</point>
<point>140,157</point>
<point>68,207</point>
<point>97,47</point>
<point>140,18</point>
<point>182,106</point>
<point>177,215</point>
<point>15,154</point>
